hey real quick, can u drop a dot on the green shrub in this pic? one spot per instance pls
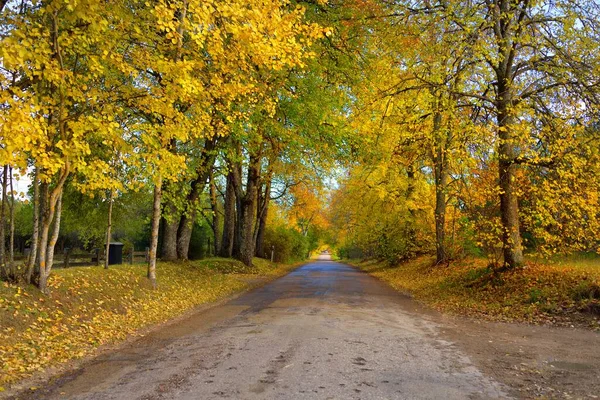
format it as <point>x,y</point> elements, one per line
<point>288,244</point>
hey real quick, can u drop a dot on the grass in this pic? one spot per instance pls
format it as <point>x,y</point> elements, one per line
<point>90,306</point>
<point>560,291</point>
<point>589,262</point>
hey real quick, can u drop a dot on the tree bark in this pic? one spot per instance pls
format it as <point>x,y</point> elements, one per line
<point>52,207</point>
<point>11,241</point>
<point>184,234</point>
<point>186,223</point>
<point>43,240</point>
<point>169,239</point>
<point>509,207</point>
<point>36,228</point>
<point>263,211</point>
<point>247,242</point>
<point>154,232</point>
<point>54,237</point>
<point>109,227</point>
<point>411,232</point>
<point>216,216</point>
<point>440,166</point>
<point>239,208</point>
<point>506,33</point>
<point>3,270</point>
<point>229,222</point>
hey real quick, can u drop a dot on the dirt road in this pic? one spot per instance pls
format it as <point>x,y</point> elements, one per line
<point>325,331</point>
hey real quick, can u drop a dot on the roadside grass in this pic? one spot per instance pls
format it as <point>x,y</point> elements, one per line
<point>90,306</point>
<point>561,291</point>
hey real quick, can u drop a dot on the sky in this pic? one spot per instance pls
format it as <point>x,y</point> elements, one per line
<point>21,184</point>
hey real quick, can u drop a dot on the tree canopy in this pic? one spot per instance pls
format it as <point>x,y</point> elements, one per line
<point>386,129</point>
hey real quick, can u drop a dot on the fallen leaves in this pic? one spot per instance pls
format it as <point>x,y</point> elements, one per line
<point>92,306</point>
<point>539,293</point>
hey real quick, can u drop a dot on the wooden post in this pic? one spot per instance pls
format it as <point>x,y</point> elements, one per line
<point>147,254</point>
<point>272,253</point>
<point>98,256</point>
<point>131,255</point>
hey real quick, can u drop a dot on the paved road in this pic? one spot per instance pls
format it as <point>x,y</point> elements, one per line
<point>325,331</point>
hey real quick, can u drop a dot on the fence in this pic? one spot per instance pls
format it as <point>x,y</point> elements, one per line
<point>78,258</point>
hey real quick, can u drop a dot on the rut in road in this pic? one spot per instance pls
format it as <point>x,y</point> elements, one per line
<point>324,331</point>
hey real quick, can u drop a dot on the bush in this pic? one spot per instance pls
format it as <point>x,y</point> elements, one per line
<point>288,244</point>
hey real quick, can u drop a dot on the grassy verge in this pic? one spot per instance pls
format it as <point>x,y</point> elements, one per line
<point>558,293</point>
<point>90,306</point>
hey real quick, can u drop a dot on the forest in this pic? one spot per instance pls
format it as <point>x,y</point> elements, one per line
<point>451,132</point>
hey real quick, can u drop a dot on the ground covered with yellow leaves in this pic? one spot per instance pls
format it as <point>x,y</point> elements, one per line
<point>560,293</point>
<point>91,306</point>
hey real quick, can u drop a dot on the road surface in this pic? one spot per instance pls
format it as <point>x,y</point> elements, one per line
<point>325,331</point>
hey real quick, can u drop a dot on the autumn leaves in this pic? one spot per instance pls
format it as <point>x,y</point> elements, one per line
<point>133,95</point>
<point>484,124</point>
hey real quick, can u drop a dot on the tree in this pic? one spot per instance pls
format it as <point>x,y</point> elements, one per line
<point>538,65</point>
<point>58,103</point>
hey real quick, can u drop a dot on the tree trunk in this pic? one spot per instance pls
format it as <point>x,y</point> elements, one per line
<point>441,182</point>
<point>507,33</point>
<point>54,237</point>
<point>3,270</point>
<point>169,239</point>
<point>51,204</point>
<point>229,222</point>
<point>239,208</point>
<point>216,216</point>
<point>263,211</point>
<point>410,189</point>
<point>11,242</point>
<point>108,227</point>
<point>184,234</point>
<point>51,211</point>
<point>154,233</point>
<point>247,242</point>
<point>188,218</point>
<point>36,228</point>
<point>186,223</point>
<point>509,207</point>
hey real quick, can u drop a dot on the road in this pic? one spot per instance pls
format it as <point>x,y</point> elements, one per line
<point>325,331</point>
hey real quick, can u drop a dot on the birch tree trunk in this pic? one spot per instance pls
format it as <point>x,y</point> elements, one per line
<point>52,209</point>
<point>11,242</point>
<point>36,229</point>
<point>3,270</point>
<point>108,227</point>
<point>154,234</point>
<point>54,237</point>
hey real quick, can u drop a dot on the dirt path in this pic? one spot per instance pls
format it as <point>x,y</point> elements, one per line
<point>328,331</point>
